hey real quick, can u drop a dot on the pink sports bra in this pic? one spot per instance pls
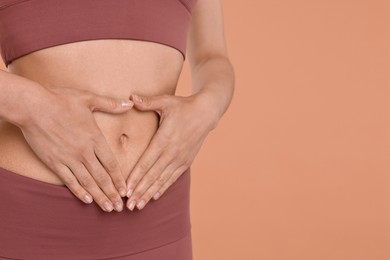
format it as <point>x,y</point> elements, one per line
<point>30,25</point>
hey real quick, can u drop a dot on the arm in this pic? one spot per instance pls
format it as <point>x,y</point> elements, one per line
<point>50,122</point>
<point>17,93</point>
<point>185,121</point>
<point>211,69</point>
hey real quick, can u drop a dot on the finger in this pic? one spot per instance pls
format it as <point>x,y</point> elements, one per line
<point>145,162</point>
<point>101,171</point>
<point>156,185</point>
<point>87,181</point>
<point>108,161</point>
<point>176,174</point>
<point>150,103</point>
<point>66,175</point>
<point>147,181</point>
<point>109,105</point>
<point>102,179</point>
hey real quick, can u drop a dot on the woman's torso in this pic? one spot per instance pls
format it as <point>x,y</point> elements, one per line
<point>112,67</point>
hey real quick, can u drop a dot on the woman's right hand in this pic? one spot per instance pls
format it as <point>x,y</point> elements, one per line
<point>63,133</point>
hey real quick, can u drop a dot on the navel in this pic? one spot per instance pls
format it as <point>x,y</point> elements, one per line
<point>123,139</point>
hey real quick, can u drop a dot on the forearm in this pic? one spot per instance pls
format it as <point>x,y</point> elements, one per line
<point>214,79</point>
<point>18,97</point>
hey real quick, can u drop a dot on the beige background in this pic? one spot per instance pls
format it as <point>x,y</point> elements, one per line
<point>298,168</point>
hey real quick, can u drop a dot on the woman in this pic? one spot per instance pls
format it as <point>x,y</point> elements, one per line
<point>89,115</point>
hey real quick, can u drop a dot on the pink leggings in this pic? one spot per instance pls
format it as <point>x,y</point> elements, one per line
<point>40,220</point>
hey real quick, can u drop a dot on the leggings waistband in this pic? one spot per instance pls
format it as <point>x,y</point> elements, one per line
<point>40,220</point>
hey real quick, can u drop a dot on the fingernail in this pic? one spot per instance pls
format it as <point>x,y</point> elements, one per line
<point>118,206</point>
<point>129,192</point>
<point>132,204</point>
<point>87,198</point>
<point>126,103</point>
<point>108,206</point>
<point>137,98</point>
<point>141,204</point>
<point>122,192</point>
<point>156,196</point>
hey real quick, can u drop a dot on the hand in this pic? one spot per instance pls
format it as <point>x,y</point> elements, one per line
<point>63,133</point>
<point>184,124</point>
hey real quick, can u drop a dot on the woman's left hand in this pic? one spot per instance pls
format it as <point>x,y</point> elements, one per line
<point>184,124</point>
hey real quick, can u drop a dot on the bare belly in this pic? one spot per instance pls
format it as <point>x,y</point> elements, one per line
<point>111,67</point>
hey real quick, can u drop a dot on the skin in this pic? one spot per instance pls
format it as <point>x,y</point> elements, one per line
<point>185,121</point>
<point>70,128</point>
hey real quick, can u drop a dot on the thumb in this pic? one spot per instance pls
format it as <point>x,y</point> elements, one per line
<point>150,103</point>
<point>109,104</point>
